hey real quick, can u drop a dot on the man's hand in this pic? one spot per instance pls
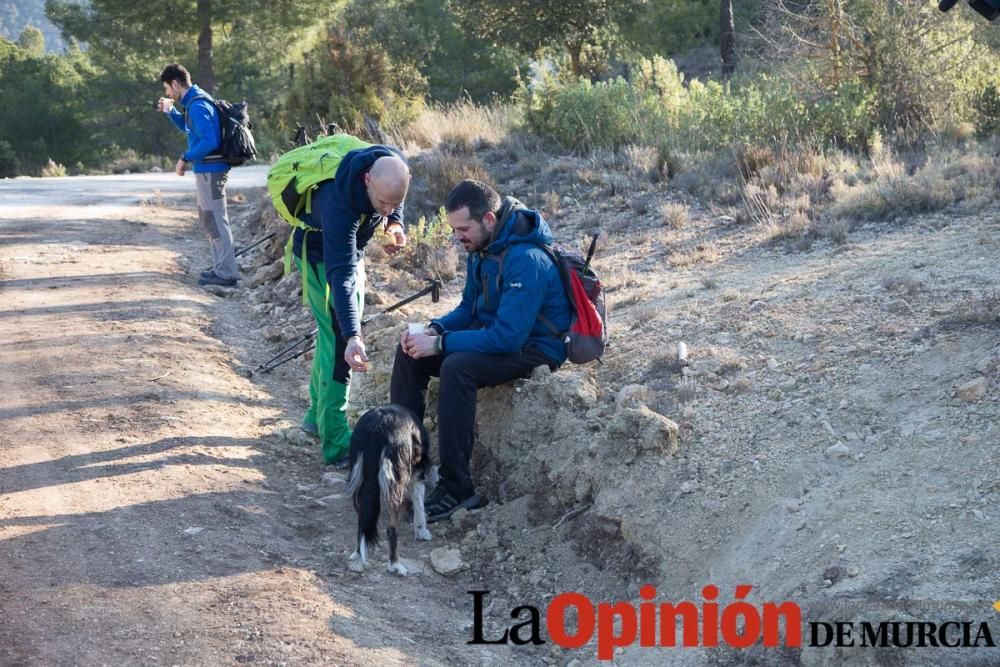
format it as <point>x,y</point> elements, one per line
<point>180,167</point>
<point>355,355</point>
<point>419,345</point>
<point>397,238</point>
<point>165,105</point>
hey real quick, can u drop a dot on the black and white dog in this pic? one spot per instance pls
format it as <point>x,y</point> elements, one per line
<point>389,457</point>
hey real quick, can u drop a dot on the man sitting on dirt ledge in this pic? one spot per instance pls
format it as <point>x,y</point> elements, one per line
<point>500,331</point>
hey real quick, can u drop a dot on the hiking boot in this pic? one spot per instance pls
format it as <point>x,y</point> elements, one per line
<point>214,278</point>
<point>206,273</point>
<point>343,463</point>
<point>441,504</point>
<point>310,429</point>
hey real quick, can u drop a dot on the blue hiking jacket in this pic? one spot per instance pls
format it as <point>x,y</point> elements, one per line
<point>338,206</point>
<point>204,132</point>
<point>502,316</point>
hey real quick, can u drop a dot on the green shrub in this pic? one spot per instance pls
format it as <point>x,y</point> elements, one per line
<point>585,115</point>
<point>8,160</point>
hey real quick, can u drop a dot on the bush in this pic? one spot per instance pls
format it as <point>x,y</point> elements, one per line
<point>584,115</point>
<point>52,169</point>
<point>8,161</point>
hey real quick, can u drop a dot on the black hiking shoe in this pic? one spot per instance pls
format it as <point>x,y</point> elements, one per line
<point>343,463</point>
<point>215,279</point>
<point>441,504</point>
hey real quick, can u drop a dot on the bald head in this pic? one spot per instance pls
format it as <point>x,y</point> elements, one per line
<point>387,181</point>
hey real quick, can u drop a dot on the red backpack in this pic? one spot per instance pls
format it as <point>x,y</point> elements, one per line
<point>587,336</point>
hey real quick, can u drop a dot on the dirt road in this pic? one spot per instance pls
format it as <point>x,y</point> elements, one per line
<point>148,512</point>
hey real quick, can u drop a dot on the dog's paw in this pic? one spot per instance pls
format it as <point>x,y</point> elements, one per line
<point>422,534</point>
<point>397,568</point>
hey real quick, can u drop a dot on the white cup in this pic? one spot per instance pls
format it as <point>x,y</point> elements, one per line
<point>414,328</point>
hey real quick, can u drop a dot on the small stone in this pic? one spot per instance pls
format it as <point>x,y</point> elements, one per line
<point>355,565</point>
<point>853,571</point>
<point>844,404</point>
<point>791,506</point>
<point>829,429</point>
<point>459,516</point>
<point>333,479</point>
<point>973,390</point>
<point>838,451</point>
<point>689,486</point>
<point>446,560</point>
<point>772,364</point>
<point>634,395</point>
<point>193,530</point>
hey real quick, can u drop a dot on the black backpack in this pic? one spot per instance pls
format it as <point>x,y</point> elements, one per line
<point>237,144</point>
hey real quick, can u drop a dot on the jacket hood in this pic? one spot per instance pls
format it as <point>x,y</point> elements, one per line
<point>519,224</point>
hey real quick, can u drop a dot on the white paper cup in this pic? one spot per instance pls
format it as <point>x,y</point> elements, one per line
<point>414,328</point>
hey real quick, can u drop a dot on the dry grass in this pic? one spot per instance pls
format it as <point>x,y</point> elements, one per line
<point>675,215</point>
<point>441,171</point>
<point>973,312</point>
<point>52,169</point>
<point>462,127</point>
<point>703,253</point>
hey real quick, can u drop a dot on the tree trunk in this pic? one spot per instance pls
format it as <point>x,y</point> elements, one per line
<point>206,69</point>
<point>574,59</point>
<point>727,38</point>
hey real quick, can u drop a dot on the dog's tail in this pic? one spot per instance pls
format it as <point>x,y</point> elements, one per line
<point>363,486</point>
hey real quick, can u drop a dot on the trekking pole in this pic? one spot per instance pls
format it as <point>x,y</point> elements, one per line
<point>283,357</point>
<point>243,251</point>
<point>433,288</point>
<point>278,359</point>
<point>590,252</point>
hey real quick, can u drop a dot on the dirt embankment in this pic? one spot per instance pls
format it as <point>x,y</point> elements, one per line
<point>832,439</point>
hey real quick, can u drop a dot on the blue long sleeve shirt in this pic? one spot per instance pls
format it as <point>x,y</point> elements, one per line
<point>200,121</point>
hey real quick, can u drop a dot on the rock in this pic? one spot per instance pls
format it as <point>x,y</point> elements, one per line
<point>689,486</point>
<point>573,389</point>
<point>446,561</point>
<point>333,479</point>
<point>791,506</point>
<point>219,290</point>
<point>973,390</point>
<point>829,429</point>
<point>634,396</point>
<point>272,334</point>
<point>682,353</point>
<point>581,490</point>
<point>853,571</point>
<point>649,430</point>
<point>193,530</point>
<point>266,274</point>
<point>541,373</point>
<point>838,451</point>
<point>373,298</point>
<point>772,364</point>
<point>459,517</point>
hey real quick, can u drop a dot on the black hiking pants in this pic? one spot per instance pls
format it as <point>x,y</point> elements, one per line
<point>461,373</point>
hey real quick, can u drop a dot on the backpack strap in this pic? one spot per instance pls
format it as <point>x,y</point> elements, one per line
<point>499,258</point>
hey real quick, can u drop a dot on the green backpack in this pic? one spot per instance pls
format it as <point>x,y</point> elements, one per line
<point>294,176</point>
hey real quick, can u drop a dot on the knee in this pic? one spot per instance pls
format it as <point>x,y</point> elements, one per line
<point>454,367</point>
